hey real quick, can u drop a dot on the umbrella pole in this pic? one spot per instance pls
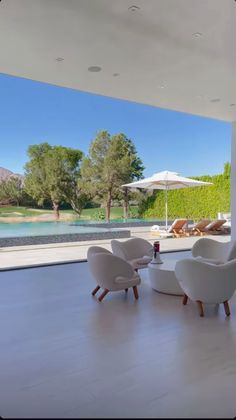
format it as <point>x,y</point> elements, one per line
<point>166,191</point>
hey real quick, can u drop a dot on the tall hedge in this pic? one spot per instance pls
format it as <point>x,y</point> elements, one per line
<point>192,203</point>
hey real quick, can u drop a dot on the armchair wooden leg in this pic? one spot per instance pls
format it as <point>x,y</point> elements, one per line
<point>126,290</point>
<point>200,307</point>
<point>135,289</point>
<point>185,299</point>
<point>226,306</point>
<point>101,297</point>
<point>95,290</point>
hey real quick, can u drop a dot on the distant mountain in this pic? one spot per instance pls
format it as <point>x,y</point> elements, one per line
<point>5,173</point>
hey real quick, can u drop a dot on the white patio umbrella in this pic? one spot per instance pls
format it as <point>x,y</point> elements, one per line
<point>166,180</point>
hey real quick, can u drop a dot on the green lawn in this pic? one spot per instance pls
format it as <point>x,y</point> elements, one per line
<point>87,214</point>
<point>93,214</point>
<point>19,212</point>
<point>116,213</point>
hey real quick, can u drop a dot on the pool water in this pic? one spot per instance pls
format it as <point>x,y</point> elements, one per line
<point>10,230</point>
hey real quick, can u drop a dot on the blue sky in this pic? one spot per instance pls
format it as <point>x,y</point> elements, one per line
<point>33,112</point>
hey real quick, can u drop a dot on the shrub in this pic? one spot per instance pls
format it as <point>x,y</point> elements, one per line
<point>192,203</point>
<point>99,215</point>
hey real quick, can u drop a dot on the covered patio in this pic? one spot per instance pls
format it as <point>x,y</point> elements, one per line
<point>63,354</point>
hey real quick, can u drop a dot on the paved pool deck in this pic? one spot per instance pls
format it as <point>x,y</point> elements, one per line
<point>33,255</point>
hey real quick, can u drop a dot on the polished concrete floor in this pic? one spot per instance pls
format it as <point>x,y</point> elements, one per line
<point>32,255</point>
<point>63,354</point>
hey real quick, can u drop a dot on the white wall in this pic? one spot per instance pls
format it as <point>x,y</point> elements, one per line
<point>233,182</point>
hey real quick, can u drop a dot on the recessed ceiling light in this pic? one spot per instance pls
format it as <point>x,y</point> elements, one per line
<point>215,100</point>
<point>116,74</point>
<point>197,35</point>
<point>134,8</point>
<point>94,69</point>
<point>59,59</point>
<point>201,96</point>
<point>162,85</point>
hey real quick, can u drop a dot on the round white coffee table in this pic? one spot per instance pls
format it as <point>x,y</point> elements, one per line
<point>162,278</point>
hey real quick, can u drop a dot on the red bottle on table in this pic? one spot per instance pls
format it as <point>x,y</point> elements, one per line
<point>156,253</point>
<point>156,248</point>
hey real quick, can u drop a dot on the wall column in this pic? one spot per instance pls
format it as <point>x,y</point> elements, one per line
<point>233,182</point>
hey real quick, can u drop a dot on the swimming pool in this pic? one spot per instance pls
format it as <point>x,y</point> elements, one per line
<point>10,230</point>
<point>29,233</point>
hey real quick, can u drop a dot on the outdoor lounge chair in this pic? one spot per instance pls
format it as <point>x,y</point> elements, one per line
<point>199,228</point>
<point>176,229</point>
<point>216,227</point>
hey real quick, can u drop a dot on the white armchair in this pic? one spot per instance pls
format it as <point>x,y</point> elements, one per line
<point>111,272</point>
<point>206,283</point>
<point>137,251</point>
<point>213,251</point>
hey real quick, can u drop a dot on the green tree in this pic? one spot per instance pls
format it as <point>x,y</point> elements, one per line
<point>111,162</point>
<point>77,195</point>
<point>132,169</point>
<point>12,189</point>
<point>52,173</point>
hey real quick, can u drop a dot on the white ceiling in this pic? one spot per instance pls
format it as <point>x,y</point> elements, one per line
<point>150,48</point>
